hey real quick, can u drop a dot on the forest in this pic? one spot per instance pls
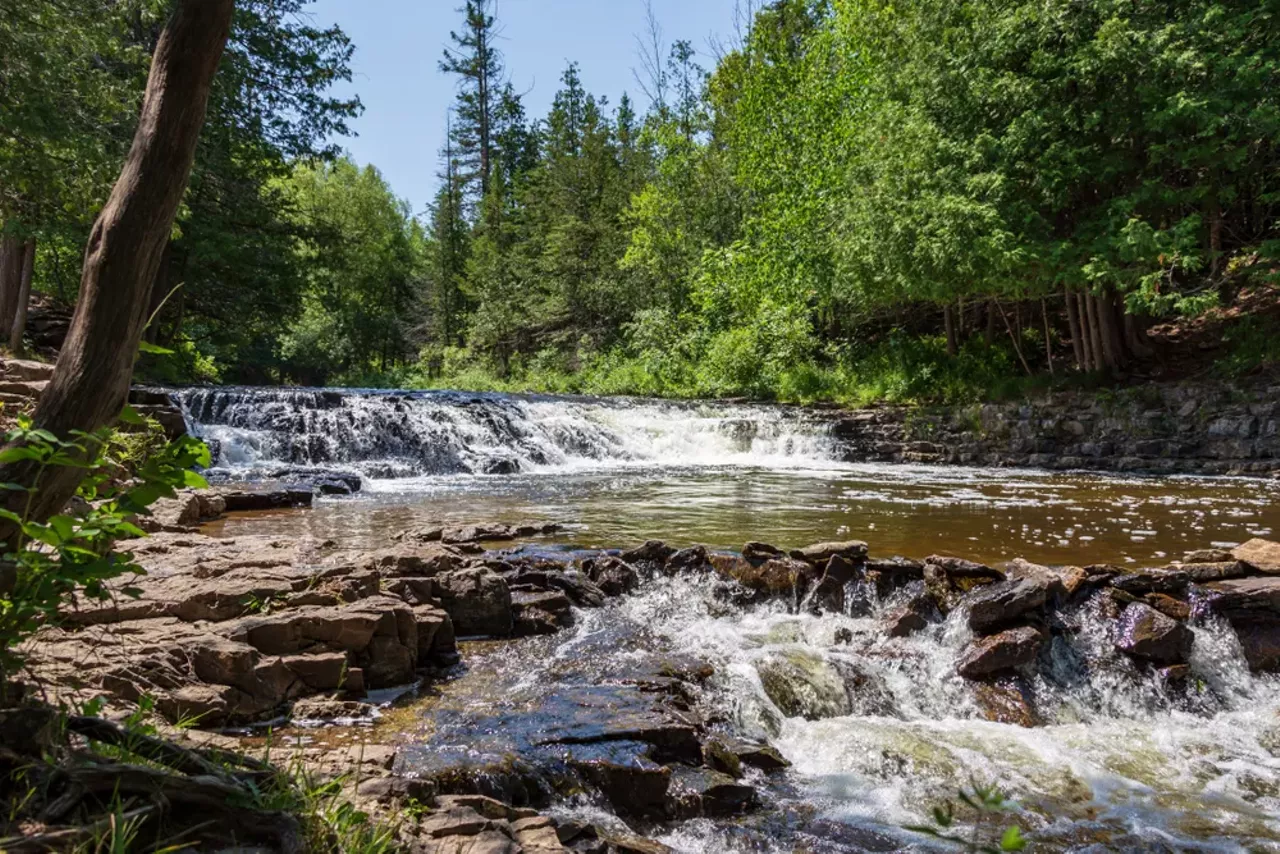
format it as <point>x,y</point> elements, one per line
<point>852,200</point>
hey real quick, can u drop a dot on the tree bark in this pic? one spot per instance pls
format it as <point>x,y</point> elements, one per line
<point>19,327</point>
<point>12,253</point>
<point>1048,339</point>
<point>991,322</point>
<point>949,321</point>
<point>1095,331</point>
<point>91,380</point>
<point>1073,321</point>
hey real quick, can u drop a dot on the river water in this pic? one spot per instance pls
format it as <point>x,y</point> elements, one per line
<point>1121,762</point>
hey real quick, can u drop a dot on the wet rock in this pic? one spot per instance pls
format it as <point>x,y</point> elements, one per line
<point>1004,651</point>
<point>1143,581</point>
<point>1252,607</point>
<point>1203,573</point>
<point>1264,555</point>
<point>1060,582</point>
<point>540,613</point>
<point>758,755</point>
<point>329,709</point>
<point>1167,605</point>
<point>1006,700</point>
<point>692,559</point>
<point>478,600</point>
<point>761,551</point>
<point>776,576</point>
<point>719,756</point>
<point>654,552</point>
<point>239,500</point>
<point>802,684</point>
<point>819,553</point>
<point>913,612</point>
<point>634,784</point>
<point>1004,602</point>
<point>1175,675</point>
<point>323,481</point>
<point>1208,556</point>
<point>636,845</point>
<point>963,574</point>
<point>612,575</point>
<point>1146,633</point>
<point>698,792</point>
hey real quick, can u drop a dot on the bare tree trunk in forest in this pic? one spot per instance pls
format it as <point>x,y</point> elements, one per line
<point>1095,331</point>
<point>12,254</point>
<point>19,327</point>
<point>1017,346</point>
<point>1048,338</point>
<point>1073,321</point>
<point>91,380</point>
<point>991,323</point>
<point>1104,312</point>
<point>949,321</point>
<point>959,319</point>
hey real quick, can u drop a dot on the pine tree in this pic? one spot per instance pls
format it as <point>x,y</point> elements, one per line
<point>478,64</point>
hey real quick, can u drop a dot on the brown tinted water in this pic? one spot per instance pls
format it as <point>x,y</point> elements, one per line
<point>991,515</point>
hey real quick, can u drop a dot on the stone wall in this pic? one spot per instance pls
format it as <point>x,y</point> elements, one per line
<point>1192,428</point>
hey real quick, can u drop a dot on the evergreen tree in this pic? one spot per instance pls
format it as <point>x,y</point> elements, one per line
<point>477,62</point>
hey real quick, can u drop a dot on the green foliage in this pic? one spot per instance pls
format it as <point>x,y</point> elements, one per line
<point>59,561</point>
<point>1250,345</point>
<point>986,806</point>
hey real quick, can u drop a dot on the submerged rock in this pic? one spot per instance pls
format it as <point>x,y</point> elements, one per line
<point>804,685</point>
<point>1004,651</point>
<point>1146,633</point>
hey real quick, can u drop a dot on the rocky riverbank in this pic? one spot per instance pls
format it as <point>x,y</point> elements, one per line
<point>248,630</point>
<point>1171,428</point>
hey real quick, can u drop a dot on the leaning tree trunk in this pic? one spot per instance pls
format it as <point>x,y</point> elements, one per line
<point>91,381</point>
<point>19,327</point>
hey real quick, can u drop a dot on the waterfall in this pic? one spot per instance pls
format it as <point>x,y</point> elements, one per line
<point>407,434</point>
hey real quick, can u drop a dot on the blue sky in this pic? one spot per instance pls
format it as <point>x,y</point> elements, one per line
<point>399,44</point>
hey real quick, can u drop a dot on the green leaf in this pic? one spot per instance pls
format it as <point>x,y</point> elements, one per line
<point>1012,840</point>
<point>194,480</point>
<point>13,455</point>
<point>129,415</point>
<point>153,349</point>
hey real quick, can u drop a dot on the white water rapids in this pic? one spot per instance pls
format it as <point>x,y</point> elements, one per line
<point>1122,761</point>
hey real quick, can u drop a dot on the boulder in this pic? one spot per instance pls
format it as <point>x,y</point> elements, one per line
<point>761,551</point>
<point>758,755</point>
<point>1143,581</point>
<point>775,576</point>
<point>542,613</point>
<point>696,792</point>
<point>1167,605</point>
<point>819,553</point>
<point>802,684</point>
<point>1146,633</point>
<point>1208,556</point>
<point>1002,603</point>
<point>1060,582</point>
<point>1252,607</point>
<point>240,500</point>
<point>612,575</point>
<point>692,559</point>
<point>1004,651</point>
<point>478,600</point>
<point>1006,700</point>
<point>653,552</point>
<point>1203,573</point>
<point>1264,555</point>
<point>911,611</point>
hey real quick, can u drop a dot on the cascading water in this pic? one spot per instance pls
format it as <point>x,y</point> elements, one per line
<point>405,434</point>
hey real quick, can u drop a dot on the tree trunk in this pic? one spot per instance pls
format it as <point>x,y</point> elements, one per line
<point>1048,338</point>
<point>91,380</point>
<point>12,254</point>
<point>1073,321</point>
<point>1102,311</point>
<point>949,321</point>
<point>19,327</point>
<point>1095,331</point>
<point>1017,345</point>
<point>991,323</point>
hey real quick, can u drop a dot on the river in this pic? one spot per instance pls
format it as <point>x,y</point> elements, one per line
<point>1120,761</point>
